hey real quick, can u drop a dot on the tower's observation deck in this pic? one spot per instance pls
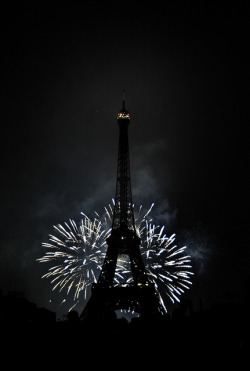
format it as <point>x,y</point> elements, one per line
<point>123,115</point>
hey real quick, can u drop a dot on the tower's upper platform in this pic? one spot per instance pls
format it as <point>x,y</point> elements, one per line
<point>123,114</point>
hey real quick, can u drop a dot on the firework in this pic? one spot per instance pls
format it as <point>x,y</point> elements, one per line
<point>166,264</point>
<point>78,253</point>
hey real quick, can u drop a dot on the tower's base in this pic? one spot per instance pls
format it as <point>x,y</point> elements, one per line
<point>106,300</point>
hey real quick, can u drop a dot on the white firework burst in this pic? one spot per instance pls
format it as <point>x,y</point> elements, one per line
<point>78,254</point>
<point>166,264</point>
<point>79,251</point>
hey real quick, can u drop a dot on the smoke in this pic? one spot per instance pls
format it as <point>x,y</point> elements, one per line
<point>50,205</point>
<point>98,197</point>
<point>164,215</point>
<point>145,188</point>
<point>201,246</point>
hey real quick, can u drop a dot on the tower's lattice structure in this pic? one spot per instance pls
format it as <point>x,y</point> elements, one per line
<point>106,295</point>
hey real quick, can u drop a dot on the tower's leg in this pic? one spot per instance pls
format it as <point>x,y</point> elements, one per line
<point>108,269</point>
<point>106,300</point>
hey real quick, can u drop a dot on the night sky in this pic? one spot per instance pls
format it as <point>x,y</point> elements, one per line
<point>185,70</point>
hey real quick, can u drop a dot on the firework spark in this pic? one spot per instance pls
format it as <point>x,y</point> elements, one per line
<point>79,252</point>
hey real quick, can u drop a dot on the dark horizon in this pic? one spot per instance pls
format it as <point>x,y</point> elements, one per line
<point>218,336</point>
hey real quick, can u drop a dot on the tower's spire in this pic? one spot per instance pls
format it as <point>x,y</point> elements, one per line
<point>123,100</point>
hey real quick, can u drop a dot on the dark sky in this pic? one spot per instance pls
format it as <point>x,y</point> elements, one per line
<point>185,71</point>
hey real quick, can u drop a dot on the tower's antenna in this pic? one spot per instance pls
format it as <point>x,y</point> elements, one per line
<point>123,100</point>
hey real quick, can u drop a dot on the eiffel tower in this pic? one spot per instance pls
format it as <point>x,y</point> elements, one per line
<point>106,296</point>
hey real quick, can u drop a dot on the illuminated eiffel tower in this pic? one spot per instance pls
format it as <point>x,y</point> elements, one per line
<point>106,295</point>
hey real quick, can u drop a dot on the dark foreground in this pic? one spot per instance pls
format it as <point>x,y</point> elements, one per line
<point>216,338</point>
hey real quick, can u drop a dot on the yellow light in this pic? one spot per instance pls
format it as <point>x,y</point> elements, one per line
<point>123,115</point>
